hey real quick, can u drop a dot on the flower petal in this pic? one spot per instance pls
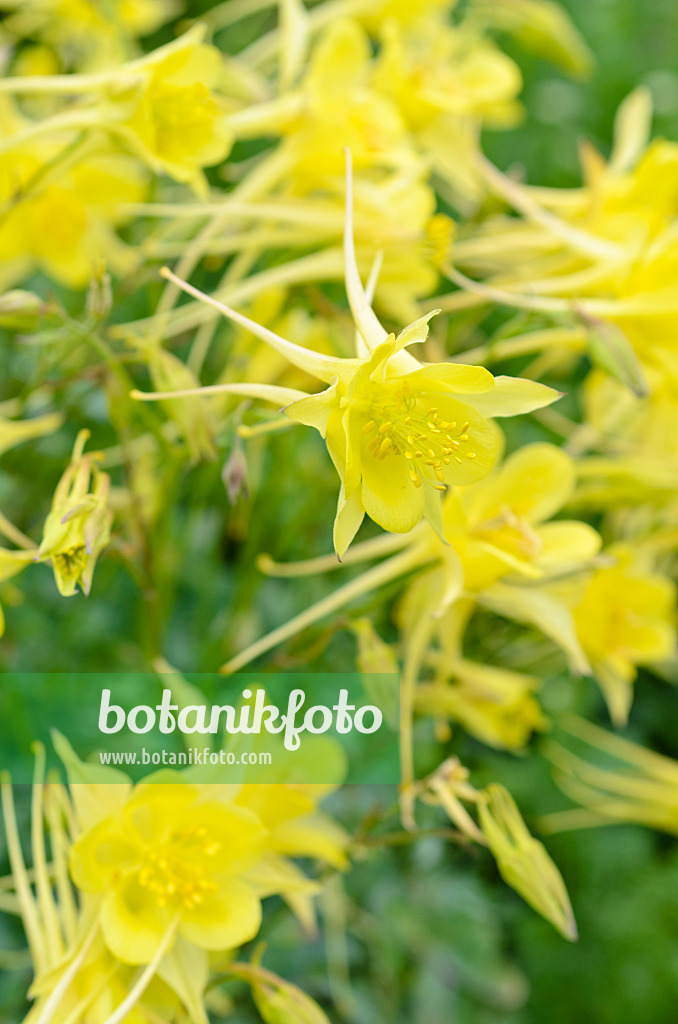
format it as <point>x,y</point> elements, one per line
<point>567,544</point>
<point>455,377</point>
<point>224,920</point>
<point>389,496</point>
<point>534,482</point>
<point>133,923</point>
<point>512,396</point>
<point>349,517</point>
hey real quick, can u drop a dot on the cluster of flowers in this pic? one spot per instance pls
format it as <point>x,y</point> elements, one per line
<point>354,123</point>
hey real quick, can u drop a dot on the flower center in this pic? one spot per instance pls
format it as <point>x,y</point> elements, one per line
<point>399,427</point>
<point>175,871</point>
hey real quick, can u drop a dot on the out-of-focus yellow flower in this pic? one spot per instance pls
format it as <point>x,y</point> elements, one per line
<point>83,32</point>
<point>171,861</point>
<point>78,526</point>
<point>63,221</point>
<point>398,430</point>
<point>523,861</point>
<point>499,525</point>
<point>333,109</point>
<point>441,71</point>
<point>625,617</point>
<point>175,121</point>
<point>178,858</point>
<point>631,784</point>
<point>494,704</point>
<point>606,252</point>
<point>541,26</point>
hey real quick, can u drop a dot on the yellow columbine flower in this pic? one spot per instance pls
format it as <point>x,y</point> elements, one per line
<point>604,254</point>
<point>500,524</point>
<point>78,526</point>
<point>625,617</point>
<point>171,862</point>
<point>494,704</point>
<point>490,540</point>
<point>334,107</point>
<point>177,123</point>
<point>66,224</point>
<point>398,430</point>
<point>83,31</point>
<point>176,858</point>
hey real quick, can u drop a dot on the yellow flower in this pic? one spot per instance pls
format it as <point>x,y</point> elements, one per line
<point>78,525</point>
<point>439,70</point>
<point>176,122</point>
<point>499,525</point>
<point>398,430</point>
<point>625,617</point>
<point>82,31</point>
<point>66,225</point>
<point>495,705</point>
<point>170,860</point>
<point>333,108</point>
<point>490,546</point>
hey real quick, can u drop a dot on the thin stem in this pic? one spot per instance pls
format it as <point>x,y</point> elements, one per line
<point>383,545</point>
<point>144,980</point>
<point>374,578</point>
<point>10,531</point>
<point>59,991</point>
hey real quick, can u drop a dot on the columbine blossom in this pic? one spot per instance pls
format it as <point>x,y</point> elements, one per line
<point>398,430</point>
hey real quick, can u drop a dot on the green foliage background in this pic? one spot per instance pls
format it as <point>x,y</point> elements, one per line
<point>433,936</point>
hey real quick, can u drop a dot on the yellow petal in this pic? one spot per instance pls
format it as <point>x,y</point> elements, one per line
<point>512,396</point>
<point>313,836</point>
<point>349,517</point>
<point>567,543</point>
<point>455,377</point>
<point>534,482</point>
<point>133,923</point>
<point>224,920</point>
<point>98,856</point>
<point>535,606</point>
<point>415,332</point>
<point>315,410</point>
<point>12,562</point>
<point>389,496</point>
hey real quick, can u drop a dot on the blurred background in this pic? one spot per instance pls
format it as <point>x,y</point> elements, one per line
<point>427,932</point>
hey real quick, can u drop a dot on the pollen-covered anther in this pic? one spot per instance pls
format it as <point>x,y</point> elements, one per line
<point>425,437</point>
<point>176,872</point>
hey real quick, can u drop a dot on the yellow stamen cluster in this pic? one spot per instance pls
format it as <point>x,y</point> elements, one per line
<point>399,427</point>
<point>174,873</point>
